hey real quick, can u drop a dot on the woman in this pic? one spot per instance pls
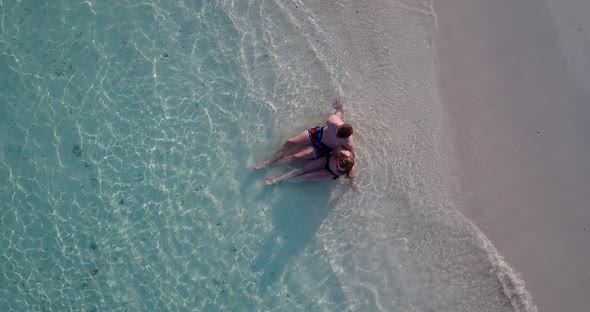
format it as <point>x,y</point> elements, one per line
<point>329,167</point>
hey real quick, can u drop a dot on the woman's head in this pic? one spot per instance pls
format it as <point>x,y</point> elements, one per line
<point>344,131</point>
<point>345,162</point>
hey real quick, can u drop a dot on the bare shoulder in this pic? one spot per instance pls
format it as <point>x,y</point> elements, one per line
<point>335,120</point>
<point>348,144</point>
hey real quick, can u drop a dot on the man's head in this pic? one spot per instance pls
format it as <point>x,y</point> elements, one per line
<point>344,131</point>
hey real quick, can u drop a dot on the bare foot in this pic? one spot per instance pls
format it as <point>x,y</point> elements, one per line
<point>271,181</point>
<point>260,165</point>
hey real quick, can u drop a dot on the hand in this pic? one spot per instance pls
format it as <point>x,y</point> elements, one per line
<point>338,105</point>
<point>355,187</point>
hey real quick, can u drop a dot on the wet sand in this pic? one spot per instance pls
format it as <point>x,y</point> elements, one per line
<point>517,130</point>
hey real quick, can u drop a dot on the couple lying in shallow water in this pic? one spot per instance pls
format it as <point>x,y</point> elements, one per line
<point>330,149</point>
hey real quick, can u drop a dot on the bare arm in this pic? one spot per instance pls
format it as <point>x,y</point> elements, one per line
<point>351,176</point>
<point>339,106</point>
<point>349,146</point>
<point>334,121</point>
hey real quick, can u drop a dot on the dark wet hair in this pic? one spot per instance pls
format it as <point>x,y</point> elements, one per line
<point>344,131</point>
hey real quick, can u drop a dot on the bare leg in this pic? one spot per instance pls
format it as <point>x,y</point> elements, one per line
<point>311,166</point>
<point>300,139</point>
<point>318,175</point>
<point>288,175</point>
<point>307,153</point>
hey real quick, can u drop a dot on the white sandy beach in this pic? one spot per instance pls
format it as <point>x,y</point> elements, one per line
<point>514,86</point>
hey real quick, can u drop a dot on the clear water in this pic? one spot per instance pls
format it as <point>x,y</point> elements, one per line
<point>128,130</point>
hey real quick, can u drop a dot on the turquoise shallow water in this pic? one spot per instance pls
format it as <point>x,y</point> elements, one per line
<point>128,130</point>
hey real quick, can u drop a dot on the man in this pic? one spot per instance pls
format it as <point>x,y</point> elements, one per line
<point>317,142</point>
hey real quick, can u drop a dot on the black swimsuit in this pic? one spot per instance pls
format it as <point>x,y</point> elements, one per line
<point>327,167</point>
